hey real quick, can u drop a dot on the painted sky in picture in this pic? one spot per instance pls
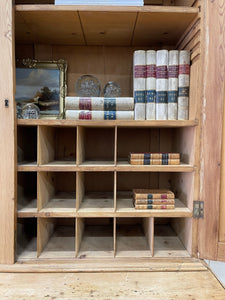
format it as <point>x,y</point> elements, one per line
<point>30,81</point>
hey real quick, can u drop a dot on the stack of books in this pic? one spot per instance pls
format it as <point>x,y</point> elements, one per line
<point>99,108</point>
<point>153,199</point>
<point>150,158</point>
<point>161,84</point>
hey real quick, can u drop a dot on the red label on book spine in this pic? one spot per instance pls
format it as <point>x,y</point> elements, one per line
<point>173,71</point>
<point>140,71</point>
<point>151,70</point>
<point>161,72</point>
<point>85,104</point>
<point>184,69</point>
<point>164,196</point>
<point>85,115</point>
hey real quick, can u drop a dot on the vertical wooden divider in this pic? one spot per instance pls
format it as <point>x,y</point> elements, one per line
<point>80,188</point>
<point>115,147</point>
<point>148,226</point>
<point>46,142</point>
<point>44,232</point>
<point>114,235</point>
<point>80,145</point>
<point>79,233</point>
<point>46,188</point>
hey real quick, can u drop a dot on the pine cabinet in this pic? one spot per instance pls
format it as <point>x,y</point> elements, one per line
<point>67,185</point>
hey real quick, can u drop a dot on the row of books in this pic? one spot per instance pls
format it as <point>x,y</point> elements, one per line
<point>99,108</point>
<point>153,199</point>
<point>161,84</point>
<point>154,158</point>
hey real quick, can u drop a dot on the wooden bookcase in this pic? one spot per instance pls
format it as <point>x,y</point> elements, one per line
<point>73,180</point>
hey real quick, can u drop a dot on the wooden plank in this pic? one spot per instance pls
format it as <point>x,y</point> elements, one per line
<point>45,188</point>
<point>80,189</point>
<point>79,233</point>
<point>83,123</point>
<point>153,29</point>
<point>213,78</point>
<point>148,226</point>
<point>46,151</point>
<point>179,285</point>
<point>8,136</point>
<point>58,8</point>
<point>45,228</point>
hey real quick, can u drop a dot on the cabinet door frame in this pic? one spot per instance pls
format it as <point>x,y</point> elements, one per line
<point>213,74</point>
<point>7,135</point>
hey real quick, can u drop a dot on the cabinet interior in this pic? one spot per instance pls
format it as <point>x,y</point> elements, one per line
<point>81,182</point>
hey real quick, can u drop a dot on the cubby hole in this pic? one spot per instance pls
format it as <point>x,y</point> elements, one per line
<point>95,192</point>
<point>173,237</point>
<point>179,183</point>
<point>141,140</point>
<point>95,237</point>
<point>27,145</point>
<point>57,192</point>
<point>134,237</point>
<point>26,238</point>
<point>57,145</point>
<point>96,146</point>
<point>27,192</point>
<point>56,238</point>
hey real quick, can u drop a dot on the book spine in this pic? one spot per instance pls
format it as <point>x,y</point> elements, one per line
<point>154,161</point>
<point>99,103</point>
<point>99,115</point>
<point>173,84</point>
<point>183,85</point>
<point>153,196</point>
<point>154,155</point>
<point>150,84</point>
<point>154,201</point>
<point>161,84</point>
<point>152,206</point>
<point>139,76</point>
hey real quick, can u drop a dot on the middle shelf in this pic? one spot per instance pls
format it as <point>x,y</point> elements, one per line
<point>98,194</point>
<point>101,148</point>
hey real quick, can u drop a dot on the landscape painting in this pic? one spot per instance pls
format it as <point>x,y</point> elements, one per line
<point>39,86</point>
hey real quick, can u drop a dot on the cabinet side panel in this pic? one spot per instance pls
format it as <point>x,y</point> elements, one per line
<point>7,134</point>
<point>213,78</point>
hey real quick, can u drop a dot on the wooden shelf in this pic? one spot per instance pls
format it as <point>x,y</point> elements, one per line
<point>102,25</point>
<point>167,243</point>
<point>124,166</point>
<point>62,205</point>
<point>97,204</point>
<point>97,241</point>
<point>131,242</point>
<point>28,211</point>
<point>61,244</point>
<point>125,208</point>
<point>133,123</point>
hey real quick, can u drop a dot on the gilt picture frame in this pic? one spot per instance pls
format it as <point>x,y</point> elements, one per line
<point>42,83</point>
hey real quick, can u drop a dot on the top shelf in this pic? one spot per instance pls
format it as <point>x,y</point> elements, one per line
<point>102,25</point>
<point>109,123</point>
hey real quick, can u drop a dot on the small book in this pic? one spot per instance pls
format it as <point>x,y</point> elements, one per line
<point>139,78</point>
<point>98,115</point>
<point>147,161</point>
<point>151,155</point>
<point>99,103</point>
<point>153,194</point>
<point>154,201</point>
<point>152,206</point>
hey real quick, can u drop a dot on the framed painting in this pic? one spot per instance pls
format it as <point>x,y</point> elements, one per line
<point>42,83</point>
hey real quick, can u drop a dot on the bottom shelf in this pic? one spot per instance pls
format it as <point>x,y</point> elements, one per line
<point>167,243</point>
<point>90,238</point>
